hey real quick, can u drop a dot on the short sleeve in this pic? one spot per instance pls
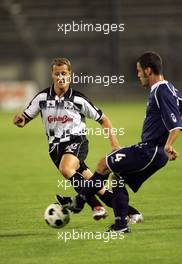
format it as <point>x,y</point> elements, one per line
<point>33,108</point>
<point>88,109</point>
<point>168,105</point>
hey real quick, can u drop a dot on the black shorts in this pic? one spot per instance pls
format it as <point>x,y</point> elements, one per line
<point>137,163</point>
<point>77,146</point>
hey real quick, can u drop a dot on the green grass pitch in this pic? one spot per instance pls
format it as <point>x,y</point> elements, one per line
<point>29,182</point>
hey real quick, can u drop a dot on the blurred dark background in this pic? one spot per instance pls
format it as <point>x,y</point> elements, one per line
<point>29,40</point>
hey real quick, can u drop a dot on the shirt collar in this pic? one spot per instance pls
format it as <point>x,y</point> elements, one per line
<point>155,85</point>
<point>68,93</point>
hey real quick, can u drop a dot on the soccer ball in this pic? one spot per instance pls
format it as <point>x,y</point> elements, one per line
<point>56,216</point>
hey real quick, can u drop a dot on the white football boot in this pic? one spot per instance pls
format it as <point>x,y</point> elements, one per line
<point>135,219</point>
<point>99,212</point>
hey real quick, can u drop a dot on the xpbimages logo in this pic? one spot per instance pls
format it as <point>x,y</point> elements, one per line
<point>88,235</point>
<point>113,183</point>
<point>83,78</point>
<point>81,26</point>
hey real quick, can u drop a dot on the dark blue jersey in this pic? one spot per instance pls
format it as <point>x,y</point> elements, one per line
<point>163,113</point>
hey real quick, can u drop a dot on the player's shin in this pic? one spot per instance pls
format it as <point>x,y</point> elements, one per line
<point>78,182</point>
<point>107,199</point>
<point>94,184</point>
<point>120,206</point>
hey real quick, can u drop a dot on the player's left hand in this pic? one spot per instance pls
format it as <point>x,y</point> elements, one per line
<point>171,152</point>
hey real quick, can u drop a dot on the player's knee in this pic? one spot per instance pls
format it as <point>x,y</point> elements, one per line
<point>102,167</point>
<point>66,171</point>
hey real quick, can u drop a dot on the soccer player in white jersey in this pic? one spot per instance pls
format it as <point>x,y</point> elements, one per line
<point>63,111</point>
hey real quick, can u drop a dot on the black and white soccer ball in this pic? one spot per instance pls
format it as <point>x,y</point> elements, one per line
<point>56,216</point>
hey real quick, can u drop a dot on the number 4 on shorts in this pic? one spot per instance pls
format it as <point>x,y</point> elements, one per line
<point>119,157</point>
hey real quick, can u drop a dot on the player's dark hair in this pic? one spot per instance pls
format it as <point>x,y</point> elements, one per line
<point>153,60</point>
<point>60,62</point>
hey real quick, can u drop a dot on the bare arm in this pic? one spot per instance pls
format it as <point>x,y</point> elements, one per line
<point>171,152</point>
<point>107,126</point>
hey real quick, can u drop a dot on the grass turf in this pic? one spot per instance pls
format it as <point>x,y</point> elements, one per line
<point>29,182</point>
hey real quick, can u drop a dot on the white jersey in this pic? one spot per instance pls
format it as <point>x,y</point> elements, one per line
<point>62,117</point>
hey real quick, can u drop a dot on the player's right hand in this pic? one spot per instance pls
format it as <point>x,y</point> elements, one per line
<point>171,152</point>
<point>19,120</point>
<point>114,148</point>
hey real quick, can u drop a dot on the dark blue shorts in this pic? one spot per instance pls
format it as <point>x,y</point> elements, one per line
<point>137,163</point>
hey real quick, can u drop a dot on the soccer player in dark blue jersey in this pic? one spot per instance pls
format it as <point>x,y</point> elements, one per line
<point>135,164</point>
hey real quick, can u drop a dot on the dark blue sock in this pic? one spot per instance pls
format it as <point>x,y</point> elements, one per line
<point>107,198</point>
<point>78,181</point>
<point>120,206</point>
<point>92,186</point>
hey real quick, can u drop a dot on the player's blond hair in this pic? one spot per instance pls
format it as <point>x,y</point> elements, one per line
<point>61,61</point>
